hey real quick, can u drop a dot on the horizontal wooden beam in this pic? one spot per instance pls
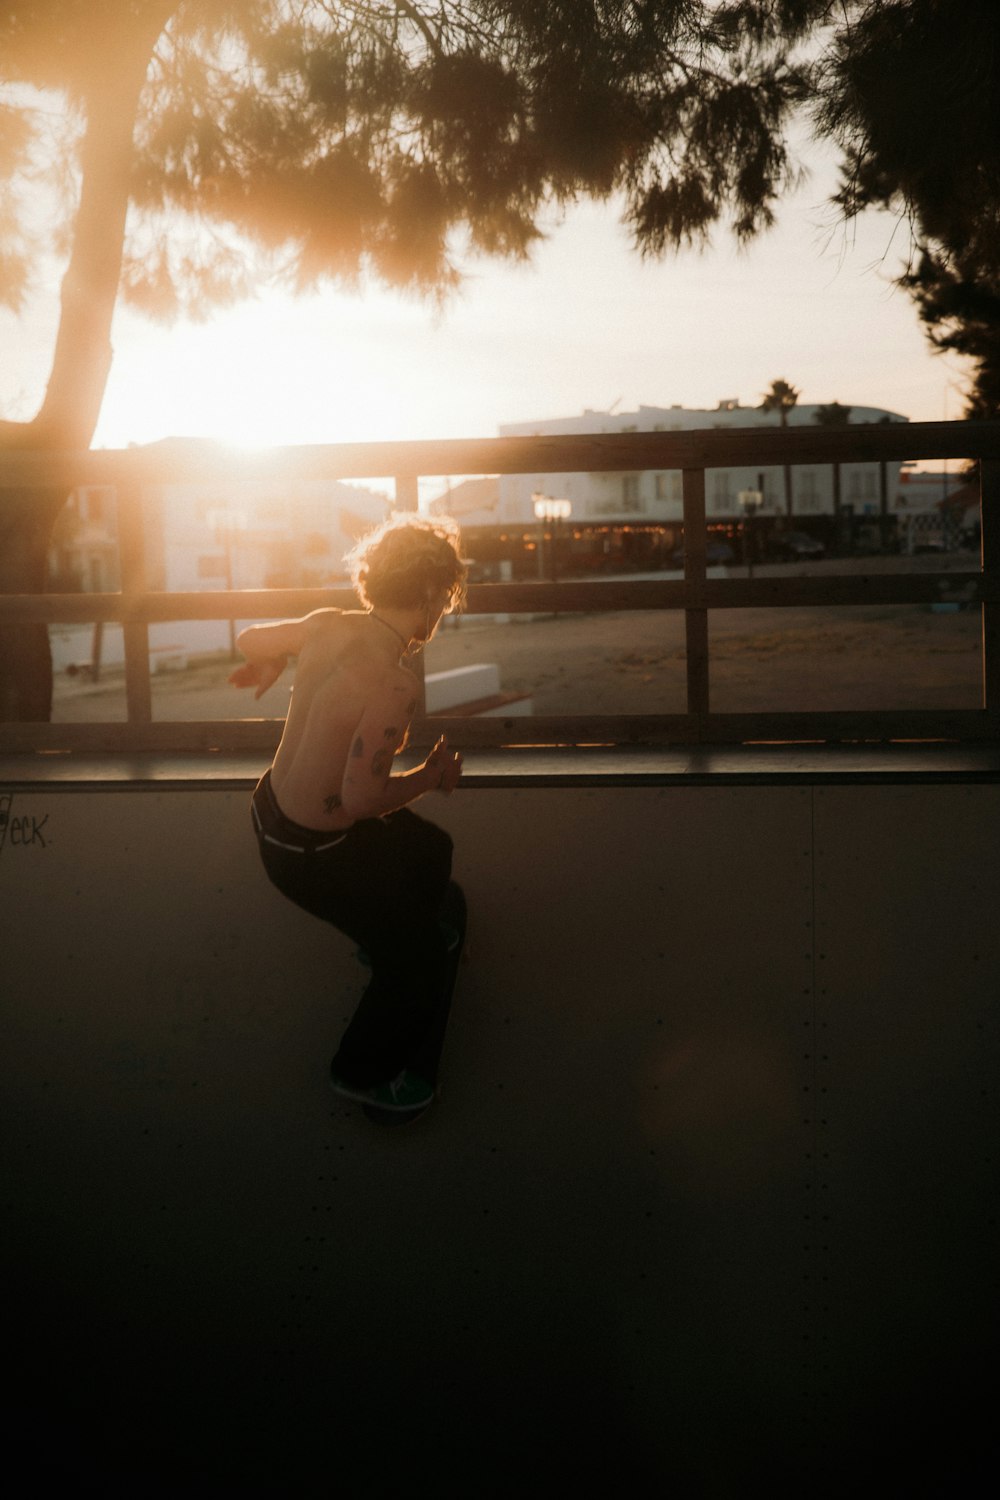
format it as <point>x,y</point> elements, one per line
<point>190,461</point>
<point>711,728</point>
<point>521,598</point>
<point>484,733</point>
<point>238,604</point>
<point>118,738</point>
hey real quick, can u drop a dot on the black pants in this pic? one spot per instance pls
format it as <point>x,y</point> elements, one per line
<point>381,882</point>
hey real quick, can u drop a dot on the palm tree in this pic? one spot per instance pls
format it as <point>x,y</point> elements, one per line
<point>834,415</point>
<point>781,398</point>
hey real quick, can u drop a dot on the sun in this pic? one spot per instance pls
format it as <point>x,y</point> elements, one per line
<point>277,371</point>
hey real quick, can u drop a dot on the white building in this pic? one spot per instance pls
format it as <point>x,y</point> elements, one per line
<point>203,536</point>
<point>656,497</point>
<point>264,534</point>
<point>83,550</point>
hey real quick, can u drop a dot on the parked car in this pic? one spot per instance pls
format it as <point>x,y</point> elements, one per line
<point>796,545</point>
<point>718,554</point>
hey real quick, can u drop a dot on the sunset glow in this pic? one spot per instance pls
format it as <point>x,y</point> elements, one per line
<point>586,324</point>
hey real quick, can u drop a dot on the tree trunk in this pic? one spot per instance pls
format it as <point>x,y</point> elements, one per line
<point>26,519</point>
<point>80,366</point>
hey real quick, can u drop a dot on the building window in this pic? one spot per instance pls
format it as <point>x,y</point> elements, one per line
<point>630,494</point>
<point>720,490</point>
<point>805,489</point>
<point>668,486</point>
<point>95,502</point>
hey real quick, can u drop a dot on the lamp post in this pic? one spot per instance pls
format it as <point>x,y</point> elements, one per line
<point>554,511</point>
<point>750,502</point>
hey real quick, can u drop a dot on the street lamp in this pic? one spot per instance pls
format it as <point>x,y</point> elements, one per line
<point>750,503</point>
<point>549,509</point>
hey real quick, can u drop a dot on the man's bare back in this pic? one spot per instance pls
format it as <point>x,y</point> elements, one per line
<point>351,707</point>
<point>338,680</point>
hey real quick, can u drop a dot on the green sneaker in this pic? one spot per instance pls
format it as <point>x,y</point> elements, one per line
<point>402,1094</point>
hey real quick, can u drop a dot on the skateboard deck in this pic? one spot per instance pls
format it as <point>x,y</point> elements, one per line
<point>426,1060</point>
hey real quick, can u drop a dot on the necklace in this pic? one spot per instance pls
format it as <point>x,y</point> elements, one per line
<point>397,633</point>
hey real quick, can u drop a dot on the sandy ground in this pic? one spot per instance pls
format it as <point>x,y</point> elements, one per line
<point>633,663</point>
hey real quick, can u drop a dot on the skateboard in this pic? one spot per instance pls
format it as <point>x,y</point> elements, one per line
<point>426,1061</point>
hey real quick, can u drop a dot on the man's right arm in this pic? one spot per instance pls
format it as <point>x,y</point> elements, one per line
<point>268,647</point>
<point>278,637</point>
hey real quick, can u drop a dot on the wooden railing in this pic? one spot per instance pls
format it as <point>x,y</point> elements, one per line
<point>136,608</point>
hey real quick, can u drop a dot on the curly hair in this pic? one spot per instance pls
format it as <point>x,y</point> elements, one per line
<point>406,560</point>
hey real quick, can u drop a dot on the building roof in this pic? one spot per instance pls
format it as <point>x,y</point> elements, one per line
<point>728,413</point>
<point>473,500</point>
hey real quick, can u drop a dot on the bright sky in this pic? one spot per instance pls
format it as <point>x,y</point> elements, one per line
<point>586,324</point>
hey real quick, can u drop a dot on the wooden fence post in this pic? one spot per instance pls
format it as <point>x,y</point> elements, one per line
<point>407,495</point>
<point>695,620</point>
<point>989,519</point>
<point>132,561</point>
<point>406,491</point>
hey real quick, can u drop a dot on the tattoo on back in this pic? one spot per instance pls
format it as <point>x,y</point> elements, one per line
<point>358,748</point>
<point>331,803</point>
<point>381,762</point>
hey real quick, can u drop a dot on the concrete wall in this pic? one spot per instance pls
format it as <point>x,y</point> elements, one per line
<point>708,1198</point>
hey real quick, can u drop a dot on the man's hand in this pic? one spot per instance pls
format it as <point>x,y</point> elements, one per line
<point>259,674</point>
<point>444,768</point>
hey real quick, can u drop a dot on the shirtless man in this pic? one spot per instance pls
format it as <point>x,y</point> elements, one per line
<point>335,829</point>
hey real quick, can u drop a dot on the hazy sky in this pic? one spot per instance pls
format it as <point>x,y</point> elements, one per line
<point>586,324</point>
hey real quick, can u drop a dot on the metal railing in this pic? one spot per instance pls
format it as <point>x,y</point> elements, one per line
<point>135,607</point>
